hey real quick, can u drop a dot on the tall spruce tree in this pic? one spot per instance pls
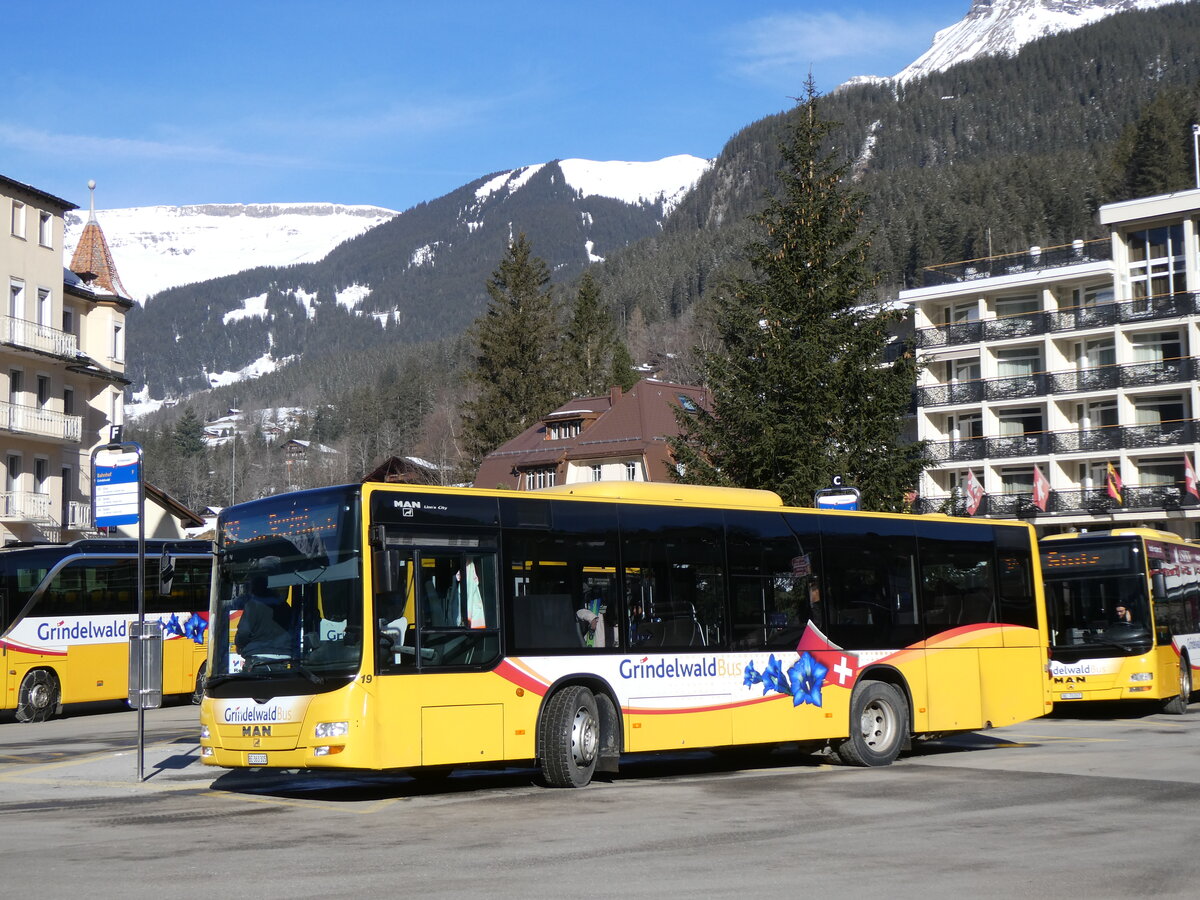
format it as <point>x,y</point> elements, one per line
<point>800,388</point>
<point>592,342</point>
<point>519,373</point>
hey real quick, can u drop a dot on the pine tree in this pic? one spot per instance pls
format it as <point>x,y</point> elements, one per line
<point>801,391</point>
<point>519,373</point>
<point>189,434</point>
<point>592,343</point>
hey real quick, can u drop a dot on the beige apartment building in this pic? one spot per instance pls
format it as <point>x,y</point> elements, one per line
<point>62,358</point>
<point>1058,362</point>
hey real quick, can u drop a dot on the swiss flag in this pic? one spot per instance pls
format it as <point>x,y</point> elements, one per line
<point>1041,489</point>
<point>1189,476</point>
<point>842,664</point>
<point>974,493</point>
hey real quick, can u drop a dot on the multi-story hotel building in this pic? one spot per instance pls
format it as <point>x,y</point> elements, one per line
<point>62,358</point>
<point>1067,360</point>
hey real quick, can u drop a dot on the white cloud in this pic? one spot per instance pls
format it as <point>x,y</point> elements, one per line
<point>783,46</point>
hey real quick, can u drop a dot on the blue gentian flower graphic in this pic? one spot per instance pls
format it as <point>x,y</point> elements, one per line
<point>194,629</point>
<point>751,675</point>
<point>773,678</point>
<point>807,677</point>
<point>171,626</point>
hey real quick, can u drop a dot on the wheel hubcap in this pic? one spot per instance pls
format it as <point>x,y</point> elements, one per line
<point>39,695</point>
<point>878,725</point>
<point>584,737</point>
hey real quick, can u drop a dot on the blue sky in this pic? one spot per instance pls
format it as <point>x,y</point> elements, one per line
<point>395,103</point>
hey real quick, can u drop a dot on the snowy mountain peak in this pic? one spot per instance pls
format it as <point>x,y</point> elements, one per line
<point>158,247</point>
<point>1002,27</point>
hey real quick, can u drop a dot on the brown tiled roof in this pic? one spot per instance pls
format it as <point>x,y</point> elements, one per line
<point>92,258</point>
<point>635,423</point>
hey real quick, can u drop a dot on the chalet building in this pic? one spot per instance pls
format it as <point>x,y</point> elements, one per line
<point>621,436</point>
<point>1061,382</point>
<point>62,361</point>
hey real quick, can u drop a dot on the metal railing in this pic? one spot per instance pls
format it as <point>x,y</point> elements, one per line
<point>1075,318</point>
<point>26,506</point>
<point>1101,378</point>
<point>42,422</point>
<point>32,336</point>
<point>79,515</point>
<point>1083,501</point>
<point>1089,440</point>
<point>1032,260</point>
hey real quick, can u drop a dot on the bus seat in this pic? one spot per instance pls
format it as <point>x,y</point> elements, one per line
<point>547,622</point>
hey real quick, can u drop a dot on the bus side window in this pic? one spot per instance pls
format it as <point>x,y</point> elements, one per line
<point>870,582</point>
<point>1014,577</point>
<point>957,574</point>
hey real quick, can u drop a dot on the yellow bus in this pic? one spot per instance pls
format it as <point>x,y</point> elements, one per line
<point>1124,609</point>
<point>65,611</point>
<point>401,627</point>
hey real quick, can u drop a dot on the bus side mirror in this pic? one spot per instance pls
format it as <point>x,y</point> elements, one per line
<point>1158,586</point>
<point>166,574</point>
<point>387,570</point>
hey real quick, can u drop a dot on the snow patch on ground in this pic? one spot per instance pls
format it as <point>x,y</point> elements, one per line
<point>252,307</point>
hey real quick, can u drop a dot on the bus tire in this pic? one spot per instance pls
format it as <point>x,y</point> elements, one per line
<point>198,693</point>
<point>39,697</point>
<point>878,725</point>
<point>570,737</point>
<point>1178,705</point>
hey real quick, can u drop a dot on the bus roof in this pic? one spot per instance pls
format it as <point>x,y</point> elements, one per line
<point>1152,533</point>
<point>667,492</point>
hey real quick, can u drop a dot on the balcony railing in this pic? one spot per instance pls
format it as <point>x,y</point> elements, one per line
<point>1102,378</point>
<point>32,336</point>
<point>1085,501</point>
<point>1041,443</point>
<point>25,506</point>
<point>79,515</point>
<point>1031,260</point>
<point>40,422</point>
<point>1076,318</point>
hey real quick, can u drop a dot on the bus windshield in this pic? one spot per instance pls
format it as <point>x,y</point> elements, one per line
<point>1096,597</point>
<point>288,591</point>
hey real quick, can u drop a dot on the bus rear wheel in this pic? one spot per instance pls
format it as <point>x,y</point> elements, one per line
<point>39,696</point>
<point>570,738</point>
<point>878,724</point>
<point>1177,706</point>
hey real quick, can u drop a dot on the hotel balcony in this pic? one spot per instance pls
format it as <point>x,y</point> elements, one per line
<point>1092,440</point>
<point>1083,502</point>
<point>41,339</point>
<point>1103,378</point>
<point>26,506</point>
<point>33,420</point>
<point>1032,260</point>
<point>1077,318</point>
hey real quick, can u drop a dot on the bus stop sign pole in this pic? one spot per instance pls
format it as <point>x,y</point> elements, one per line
<point>119,498</point>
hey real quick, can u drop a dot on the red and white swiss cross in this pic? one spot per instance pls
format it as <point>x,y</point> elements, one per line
<point>841,665</point>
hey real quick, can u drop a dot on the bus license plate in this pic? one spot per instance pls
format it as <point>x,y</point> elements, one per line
<point>1072,696</point>
<point>256,759</point>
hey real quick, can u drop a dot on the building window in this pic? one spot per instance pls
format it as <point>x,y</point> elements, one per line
<point>1160,472</point>
<point>18,219</point>
<point>16,298</point>
<point>1096,414</point>
<point>1025,420</point>
<point>45,229</point>
<point>43,390</point>
<point>41,475</point>
<point>560,431</point>
<point>1015,306</point>
<point>16,385</point>
<point>1019,362</point>
<point>43,306</point>
<point>68,321</point>
<point>1156,346</point>
<point>116,409</point>
<point>1156,262</point>
<point>597,472</point>
<point>12,480</point>
<point>540,478</point>
<point>961,312</point>
<point>631,471</point>
<point>1017,481</point>
<point>1092,296</point>
<point>68,401</point>
<point>1159,410</point>
<point>118,342</point>
<point>965,427</point>
<point>1096,353</point>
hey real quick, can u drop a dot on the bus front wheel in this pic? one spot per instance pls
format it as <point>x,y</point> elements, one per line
<point>39,697</point>
<point>570,738</point>
<point>878,723</point>
<point>1177,706</point>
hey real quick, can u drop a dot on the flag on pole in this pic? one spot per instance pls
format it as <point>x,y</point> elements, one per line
<point>1041,489</point>
<point>1112,483</point>
<point>974,493</point>
<point>1189,476</point>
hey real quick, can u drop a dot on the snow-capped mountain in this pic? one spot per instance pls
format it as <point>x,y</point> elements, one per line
<point>157,247</point>
<point>1002,27</point>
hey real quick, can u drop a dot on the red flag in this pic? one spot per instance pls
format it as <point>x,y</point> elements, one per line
<point>1041,489</point>
<point>1189,476</point>
<point>842,666</point>
<point>1112,483</point>
<point>974,493</point>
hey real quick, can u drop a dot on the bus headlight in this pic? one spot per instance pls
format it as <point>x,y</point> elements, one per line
<point>206,752</point>
<point>204,732</point>
<point>332,729</point>
<point>1142,676</point>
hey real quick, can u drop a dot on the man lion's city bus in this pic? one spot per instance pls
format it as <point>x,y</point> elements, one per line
<point>1124,609</point>
<point>396,626</point>
<point>65,611</point>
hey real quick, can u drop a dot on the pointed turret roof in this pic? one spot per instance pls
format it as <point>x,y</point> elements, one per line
<point>92,259</point>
